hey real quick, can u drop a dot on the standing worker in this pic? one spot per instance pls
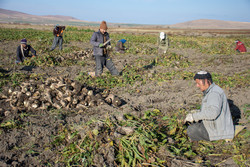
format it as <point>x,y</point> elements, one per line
<point>120,46</point>
<point>101,46</point>
<point>213,121</point>
<point>240,47</point>
<point>163,43</point>
<point>23,51</point>
<point>58,37</point>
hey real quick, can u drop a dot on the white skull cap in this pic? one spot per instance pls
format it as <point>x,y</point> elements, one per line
<point>162,35</point>
<point>202,72</point>
<point>202,75</point>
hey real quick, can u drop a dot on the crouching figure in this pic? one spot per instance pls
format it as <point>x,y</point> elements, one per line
<point>213,121</point>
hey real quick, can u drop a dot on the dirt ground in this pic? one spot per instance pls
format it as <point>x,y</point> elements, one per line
<point>27,147</point>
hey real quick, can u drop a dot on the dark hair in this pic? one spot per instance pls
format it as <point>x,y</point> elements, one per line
<point>209,80</point>
<point>204,75</point>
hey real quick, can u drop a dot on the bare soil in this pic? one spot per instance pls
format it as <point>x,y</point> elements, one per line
<point>28,147</point>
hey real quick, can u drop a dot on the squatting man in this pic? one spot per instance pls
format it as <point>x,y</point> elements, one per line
<point>23,51</point>
<point>213,121</point>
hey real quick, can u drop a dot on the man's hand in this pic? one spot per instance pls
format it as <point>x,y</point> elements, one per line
<point>189,118</point>
<point>101,45</point>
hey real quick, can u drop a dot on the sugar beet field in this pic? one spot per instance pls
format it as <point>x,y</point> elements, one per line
<point>53,114</point>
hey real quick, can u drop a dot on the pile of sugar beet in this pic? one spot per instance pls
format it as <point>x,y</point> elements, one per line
<point>56,92</point>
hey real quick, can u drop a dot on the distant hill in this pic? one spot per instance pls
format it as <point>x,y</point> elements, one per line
<point>9,16</point>
<point>212,24</point>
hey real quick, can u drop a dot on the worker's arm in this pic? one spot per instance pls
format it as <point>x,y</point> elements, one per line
<point>211,108</point>
<point>32,51</point>
<point>94,41</point>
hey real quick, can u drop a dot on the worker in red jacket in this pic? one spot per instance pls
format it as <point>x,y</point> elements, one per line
<point>240,46</point>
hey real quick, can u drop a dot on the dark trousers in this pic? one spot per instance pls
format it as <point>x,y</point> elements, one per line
<point>197,131</point>
<point>57,40</point>
<point>102,61</point>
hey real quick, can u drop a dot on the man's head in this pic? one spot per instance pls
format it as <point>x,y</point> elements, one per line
<point>162,35</point>
<point>203,80</point>
<point>103,27</point>
<point>24,42</point>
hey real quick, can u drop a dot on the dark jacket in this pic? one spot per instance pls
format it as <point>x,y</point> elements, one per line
<point>26,51</point>
<point>96,39</point>
<point>58,31</point>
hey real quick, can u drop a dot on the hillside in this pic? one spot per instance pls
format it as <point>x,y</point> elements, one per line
<point>9,16</point>
<point>212,24</point>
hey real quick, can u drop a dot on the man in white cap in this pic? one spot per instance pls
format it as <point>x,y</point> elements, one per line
<point>213,121</point>
<point>163,43</point>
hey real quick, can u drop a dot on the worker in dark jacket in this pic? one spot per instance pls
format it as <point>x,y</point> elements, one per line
<point>23,51</point>
<point>101,49</point>
<point>58,37</point>
<point>240,47</point>
<point>120,46</point>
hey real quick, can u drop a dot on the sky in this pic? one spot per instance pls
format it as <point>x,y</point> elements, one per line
<point>159,12</point>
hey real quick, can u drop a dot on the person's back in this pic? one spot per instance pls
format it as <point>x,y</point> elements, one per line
<point>163,43</point>
<point>58,37</point>
<point>240,47</point>
<point>120,46</point>
<point>58,30</point>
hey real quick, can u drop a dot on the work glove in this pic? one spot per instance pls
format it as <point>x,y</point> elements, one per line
<point>189,118</point>
<point>101,45</point>
<point>109,47</point>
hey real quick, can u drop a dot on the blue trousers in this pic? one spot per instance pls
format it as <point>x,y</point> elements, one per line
<point>57,40</point>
